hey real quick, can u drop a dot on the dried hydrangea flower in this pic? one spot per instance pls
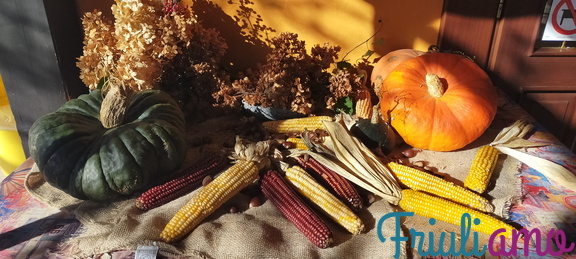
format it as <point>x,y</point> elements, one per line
<point>291,78</point>
<point>99,52</point>
<point>153,45</point>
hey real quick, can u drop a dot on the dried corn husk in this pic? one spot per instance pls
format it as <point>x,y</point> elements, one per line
<point>513,137</point>
<point>347,156</point>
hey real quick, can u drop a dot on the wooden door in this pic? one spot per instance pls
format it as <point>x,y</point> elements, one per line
<point>539,75</point>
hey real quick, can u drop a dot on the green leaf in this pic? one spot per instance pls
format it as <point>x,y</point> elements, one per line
<point>343,65</point>
<point>378,42</point>
<point>368,54</point>
<point>344,105</point>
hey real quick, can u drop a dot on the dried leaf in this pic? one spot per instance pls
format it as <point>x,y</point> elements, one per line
<point>521,143</point>
<point>513,136</point>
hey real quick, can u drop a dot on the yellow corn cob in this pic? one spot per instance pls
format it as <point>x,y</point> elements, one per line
<point>364,104</point>
<point>297,143</point>
<point>210,198</point>
<point>333,208</point>
<point>438,208</point>
<point>421,181</point>
<point>250,158</point>
<point>296,125</point>
<point>481,169</point>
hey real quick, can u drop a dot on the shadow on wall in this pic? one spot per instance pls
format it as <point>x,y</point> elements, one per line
<point>246,46</point>
<point>347,23</point>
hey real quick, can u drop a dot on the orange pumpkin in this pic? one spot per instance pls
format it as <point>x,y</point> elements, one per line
<point>438,101</point>
<point>388,62</point>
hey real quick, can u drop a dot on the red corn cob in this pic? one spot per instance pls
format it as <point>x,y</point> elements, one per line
<point>294,209</point>
<point>189,180</point>
<point>340,186</point>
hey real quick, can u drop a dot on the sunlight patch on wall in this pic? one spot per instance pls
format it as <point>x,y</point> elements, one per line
<point>421,44</point>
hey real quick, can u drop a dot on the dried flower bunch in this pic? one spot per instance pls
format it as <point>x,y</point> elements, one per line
<point>100,52</point>
<point>161,45</point>
<point>293,79</point>
<point>150,44</point>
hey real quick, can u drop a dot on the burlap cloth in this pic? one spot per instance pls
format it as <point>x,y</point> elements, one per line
<point>262,232</point>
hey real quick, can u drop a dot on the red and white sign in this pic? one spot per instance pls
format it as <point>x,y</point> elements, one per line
<point>561,24</point>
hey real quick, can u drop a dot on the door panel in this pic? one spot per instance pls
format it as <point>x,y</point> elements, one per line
<point>468,26</point>
<point>556,111</point>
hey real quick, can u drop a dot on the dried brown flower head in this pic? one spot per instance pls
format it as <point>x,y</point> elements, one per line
<point>100,53</point>
<point>149,44</point>
<point>291,78</point>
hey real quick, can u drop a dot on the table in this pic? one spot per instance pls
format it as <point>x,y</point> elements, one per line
<point>30,228</point>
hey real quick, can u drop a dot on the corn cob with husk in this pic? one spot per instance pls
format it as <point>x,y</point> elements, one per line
<point>296,125</point>
<point>481,170</point>
<point>421,181</point>
<point>364,105</point>
<point>249,158</point>
<point>275,188</point>
<point>189,180</point>
<point>340,186</point>
<point>332,206</point>
<point>347,156</point>
<point>441,209</point>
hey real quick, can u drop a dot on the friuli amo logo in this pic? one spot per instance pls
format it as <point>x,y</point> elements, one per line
<point>558,237</point>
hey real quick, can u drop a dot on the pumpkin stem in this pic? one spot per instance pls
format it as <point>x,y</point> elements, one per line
<point>116,101</point>
<point>375,115</point>
<point>435,87</point>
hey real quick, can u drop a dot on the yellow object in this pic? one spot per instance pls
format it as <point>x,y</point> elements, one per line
<point>438,208</point>
<point>317,194</point>
<point>298,143</point>
<point>481,169</point>
<point>421,181</point>
<point>11,151</point>
<point>210,198</point>
<point>296,125</point>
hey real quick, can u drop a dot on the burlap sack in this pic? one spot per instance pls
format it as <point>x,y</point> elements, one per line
<point>257,232</point>
<point>262,232</point>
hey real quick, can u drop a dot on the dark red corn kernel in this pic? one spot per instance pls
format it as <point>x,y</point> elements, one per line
<point>295,210</point>
<point>336,183</point>
<point>188,180</point>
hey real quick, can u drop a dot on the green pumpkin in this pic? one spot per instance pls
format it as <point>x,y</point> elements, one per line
<point>374,133</point>
<point>78,155</point>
